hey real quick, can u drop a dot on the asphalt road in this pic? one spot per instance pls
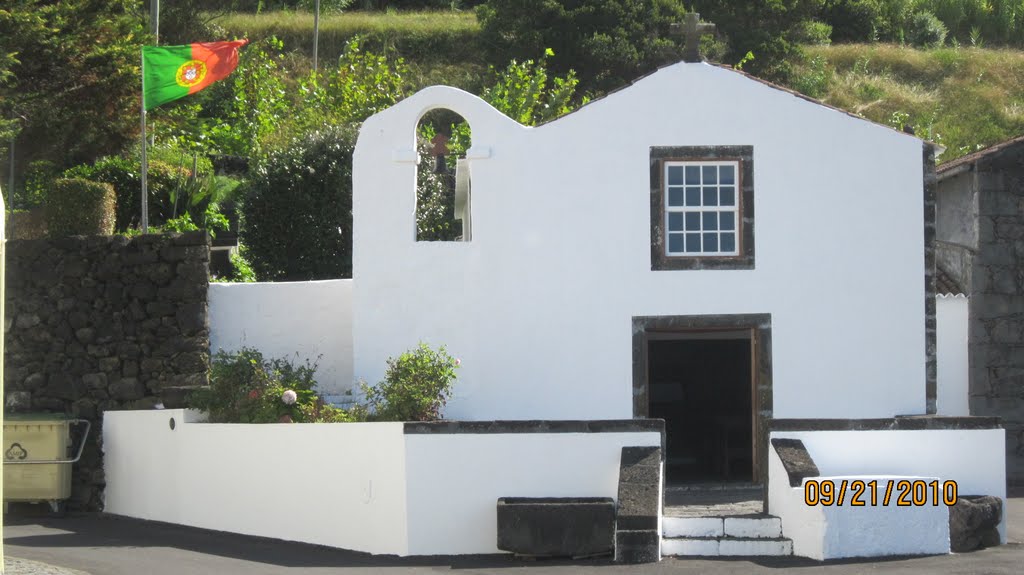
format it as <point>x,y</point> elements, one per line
<point>103,545</point>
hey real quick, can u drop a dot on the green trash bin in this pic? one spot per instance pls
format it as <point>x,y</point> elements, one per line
<point>38,458</point>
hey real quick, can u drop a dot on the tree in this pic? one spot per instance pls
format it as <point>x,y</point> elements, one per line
<point>608,42</point>
<point>297,214</point>
<point>768,29</point>
<point>69,76</point>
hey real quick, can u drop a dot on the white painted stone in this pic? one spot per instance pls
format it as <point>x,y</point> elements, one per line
<point>975,459</point>
<point>951,327</point>
<point>376,489</point>
<point>755,547</point>
<point>693,526</point>
<point>529,306</point>
<point>761,527</point>
<point>682,547</point>
<point>295,320</point>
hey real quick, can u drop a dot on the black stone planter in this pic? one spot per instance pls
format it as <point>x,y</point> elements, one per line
<point>556,526</point>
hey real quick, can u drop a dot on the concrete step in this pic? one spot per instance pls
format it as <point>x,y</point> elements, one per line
<point>726,547</point>
<point>759,526</point>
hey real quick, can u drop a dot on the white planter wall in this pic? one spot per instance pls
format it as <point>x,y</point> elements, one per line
<point>975,459</point>
<point>340,485</point>
<point>296,320</point>
<point>360,486</point>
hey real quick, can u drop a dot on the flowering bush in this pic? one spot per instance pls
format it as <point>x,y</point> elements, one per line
<point>246,388</point>
<point>416,386</point>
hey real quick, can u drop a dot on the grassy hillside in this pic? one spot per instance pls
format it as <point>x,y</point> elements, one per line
<point>963,98</point>
<point>440,47</point>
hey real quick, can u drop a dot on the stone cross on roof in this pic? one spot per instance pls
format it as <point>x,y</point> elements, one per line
<point>692,30</point>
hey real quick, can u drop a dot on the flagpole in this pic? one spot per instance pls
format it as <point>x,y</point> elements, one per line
<point>144,163</point>
<point>316,33</point>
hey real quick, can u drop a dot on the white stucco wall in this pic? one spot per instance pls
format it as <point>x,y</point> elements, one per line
<point>539,304</point>
<point>359,486</point>
<point>341,485</point>
<point>296,320</point>
<point>455,480</point>
<point>951,330</point>
<point>973,458</point>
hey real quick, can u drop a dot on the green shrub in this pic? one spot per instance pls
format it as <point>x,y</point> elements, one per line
<point>297,210</point>
<point>26,224</point>
<point>814,79</point>
<point>247,388</point>
<point>241,270</point>
<point>814,32</point>
<point>926,30</point>
<point>78,207</point>
<point>123,174</point>
<point>416,386</point>
<point>852,20</point>
<point>39,176</point>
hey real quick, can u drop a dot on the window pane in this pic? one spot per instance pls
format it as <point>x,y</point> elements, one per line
<point>728,221</point>
<point>693,242</point>
<point>728,196</point>
<point>692,175</point>
<point>726,175</point>
<point>710,175</point>
<point>675,196</point>
<point>710,220</point>
<point>675,221</point>
<point>728,242</point>
<point>675,243</point>
<point>675,175</point>
<point>710,196</point>
<point>711,242</point>
<point>693,196</point>
<point>693,221</point>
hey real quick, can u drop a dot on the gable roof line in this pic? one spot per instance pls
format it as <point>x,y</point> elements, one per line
<point>747,75</point>
<point>975,156</point>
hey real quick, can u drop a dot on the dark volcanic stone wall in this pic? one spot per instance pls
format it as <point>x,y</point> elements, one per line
<point>99,323</point>
<point>996,308</point>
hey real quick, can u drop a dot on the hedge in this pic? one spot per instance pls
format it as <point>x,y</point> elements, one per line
<point>76,206</point>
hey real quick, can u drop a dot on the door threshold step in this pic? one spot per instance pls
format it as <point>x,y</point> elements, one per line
<point>760,526</point>
<point>726,547</point>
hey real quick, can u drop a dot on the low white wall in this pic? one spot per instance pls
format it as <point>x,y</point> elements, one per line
<point>454,481</point>
<point>341,485</point>
<point>951,354</point>
<point>361,486</point>
<point>973,458</point>
<point>309,320</point>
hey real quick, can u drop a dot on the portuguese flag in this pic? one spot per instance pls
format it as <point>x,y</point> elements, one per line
<point>172,72</point>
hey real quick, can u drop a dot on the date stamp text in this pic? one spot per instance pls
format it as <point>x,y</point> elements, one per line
<point>902,493</point>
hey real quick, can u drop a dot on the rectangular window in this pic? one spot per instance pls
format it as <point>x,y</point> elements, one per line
<point>701,208</point>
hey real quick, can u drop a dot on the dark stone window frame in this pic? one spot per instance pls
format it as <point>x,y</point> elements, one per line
<point>744,155</point>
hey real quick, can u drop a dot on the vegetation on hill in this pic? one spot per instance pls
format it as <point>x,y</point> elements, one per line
<point>69,72</point>
<point>962,98</point>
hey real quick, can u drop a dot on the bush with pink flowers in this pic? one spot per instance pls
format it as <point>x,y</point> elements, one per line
<point>247,388</point>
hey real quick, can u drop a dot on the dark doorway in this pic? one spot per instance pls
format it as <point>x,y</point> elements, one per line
<point>701,385</point>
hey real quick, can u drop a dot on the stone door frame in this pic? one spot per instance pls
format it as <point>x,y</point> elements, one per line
<point>648,328</point>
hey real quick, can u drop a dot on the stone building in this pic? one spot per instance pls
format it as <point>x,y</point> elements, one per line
<point>980,253</point>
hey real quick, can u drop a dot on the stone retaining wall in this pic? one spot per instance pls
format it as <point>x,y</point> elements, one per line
<point>996,335</point>
<point>104,323</point>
